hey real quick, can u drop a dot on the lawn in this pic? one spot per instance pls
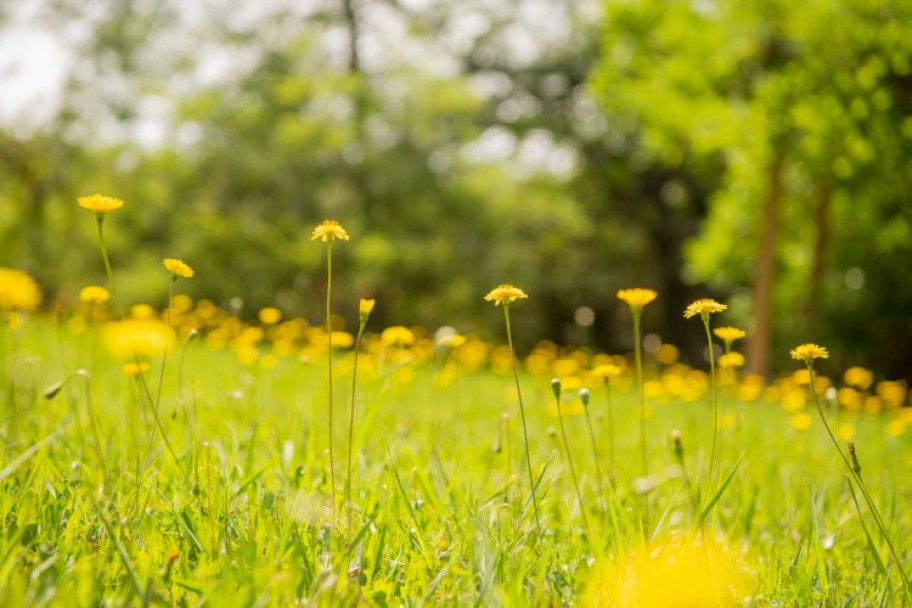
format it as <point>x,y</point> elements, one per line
<point>228,499</point>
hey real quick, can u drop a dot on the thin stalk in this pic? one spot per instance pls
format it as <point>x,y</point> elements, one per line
<point>907,588</point>
<point>712,373</point>
<point>161,373</point>
<point>579,494</point>
<point>598,466</point>
<point>329,374</point>
<point>522,413</point>
<point>610,427</point>
<point>11,384</point>
<point>351,429</point>
<point>104,256</point>
<point>638,355</point>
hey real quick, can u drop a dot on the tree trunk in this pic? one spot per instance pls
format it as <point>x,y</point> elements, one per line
<point>758,348</point>
<point>351,22</point>
<point>822,238</point>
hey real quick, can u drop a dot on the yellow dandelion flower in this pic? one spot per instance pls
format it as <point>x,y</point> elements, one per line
<point>703,307</point>
<point>637,297</point>
<point>18,291</point>
<point>365,306</point>
<point>329,230</point>
<point>504,294</point>
<point>138,338</point>
<point>270,315</point>
<point>94,294</point>
<point>801,422</point>
<point>729,334</point>
<point>135,369</point>
<point>397,336</point>
<point>100,203</point>
<point>732,360</point>
<point>809,352</point>
<point>676,573</point>
<point>858,377</point>
<point>177,268</point>
<point>606,371</point>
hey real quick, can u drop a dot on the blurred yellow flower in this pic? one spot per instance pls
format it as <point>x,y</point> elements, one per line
<point>178,268</point>
<point>729,334</point>
<point>896,427</point>
<point>94,294</point>
<point>685,572</point>
<point>138,338</point>
<point>504,294</point>
<point>99,203</point>
<point>703,307</point>
<point>802,422</point>
<point>135,369</point>
<point>732,360</point>
<point>397,336</point>
<point>809,352</point>
<point>142,311</point>
<point>637,297</point>
<point>18,291</point>
<point>270,315</point>
<point>606,371</point>
<point>329,230</point>
<point>858,377</point>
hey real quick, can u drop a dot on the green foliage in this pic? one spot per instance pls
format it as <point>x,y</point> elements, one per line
<point>825,87</point>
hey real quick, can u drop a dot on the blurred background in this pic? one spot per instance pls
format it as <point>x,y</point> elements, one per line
<point>753,151</point>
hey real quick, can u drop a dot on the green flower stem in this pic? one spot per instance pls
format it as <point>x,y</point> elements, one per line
<point>351,428</point>
<point>329,374</point>
<point>155,406</point>
<point>712,373</point>
<point>638,355</point>
<point>522,413</point>
<point>610,427</point>
<point>104,256</point>
<point>907,588</point>
<point>579,494</point>
<point>598,466</point>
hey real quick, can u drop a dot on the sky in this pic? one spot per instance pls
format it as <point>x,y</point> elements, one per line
<point>33,67</point>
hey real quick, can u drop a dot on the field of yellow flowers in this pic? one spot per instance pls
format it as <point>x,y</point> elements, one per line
<point>186,456</point>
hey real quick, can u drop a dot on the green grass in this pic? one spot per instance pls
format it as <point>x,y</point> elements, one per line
<point>442,510</point>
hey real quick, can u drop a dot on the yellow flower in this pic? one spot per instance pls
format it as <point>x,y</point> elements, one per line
<point>732,360</point>
<point>858,377</point>
<point>802,422</point>
<point>365,307</point>
<point>606,371</point>
<point>270,315</point>
<point>704,308</point>
<point>178,268</point>
<point>397,336</point>
<point>18,291</point>
<point>680,572</point>
<point>809,352</point>
<point>135,369</point>
<point>729,334</point>
<point>99,203</point>
<point>138,338</point>
<point>94,294</point>
<point>637,297</point>
<point>329,230</point>
<point>504,294</point>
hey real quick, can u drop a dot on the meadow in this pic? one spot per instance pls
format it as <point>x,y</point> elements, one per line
<point>188,457</point>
